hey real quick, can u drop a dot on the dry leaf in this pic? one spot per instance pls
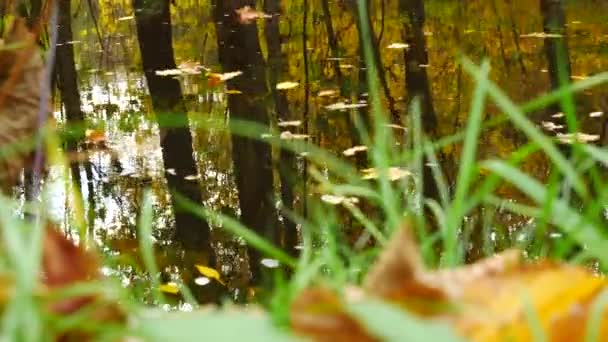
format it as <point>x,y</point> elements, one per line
<point>487,301</point>
<point>21,70</point>
<point>320,315</point>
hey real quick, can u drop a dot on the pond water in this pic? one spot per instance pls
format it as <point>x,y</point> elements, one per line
<point>311,50</point>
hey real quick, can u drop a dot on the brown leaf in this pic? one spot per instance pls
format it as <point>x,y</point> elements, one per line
<point>21,69</point>
<point>320,315</point>
<point>489,300</point>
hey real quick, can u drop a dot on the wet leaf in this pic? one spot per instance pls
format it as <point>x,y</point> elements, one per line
<point>345,106</point>
<point>571,138</point>
<point>354,150</point>
<point>287,85</point>
<point>398,46</point>
<point>336,200</point>
<point>170,288</point>
<point>328,93</point>
<point>295,123</point>
<point>210,273</point>
<point>287,135</point>
<point>394,173</point>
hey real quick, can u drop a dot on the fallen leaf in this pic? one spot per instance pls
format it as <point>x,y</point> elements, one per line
<point>398,46</point>
<point>345,106</point>
<point>354,150</point>
<point>170,288</point>
<point>571,138</point>
<point>320,315</point>
<point>336,200</point>
<point>294,123</point>
<point>328,93</point>
<point>210,273</point>
<point>394,173</point>
<point>287,85</point>
<point>287,135</point>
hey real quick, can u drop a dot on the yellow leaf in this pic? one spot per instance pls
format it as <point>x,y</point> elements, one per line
<point>210,273</point>
<point>287,85</point>
<point>169,287</point>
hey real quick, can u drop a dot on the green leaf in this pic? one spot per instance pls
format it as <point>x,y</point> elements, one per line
<point>210,325</point>
<point>391,323</point>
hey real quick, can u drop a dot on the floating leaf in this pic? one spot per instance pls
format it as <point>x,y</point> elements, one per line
<point>270,263</point>
<point>571,138</point>
<point>541,35</point>
<point>394,173</point>
<point>345,106</point>
<point>287,85</point>
<point>328,93</point>
<point>210,273</point>
<point>248,15</point>
<point>170,287</point>
<point>202,281</point>
<point>168,72</point>
<point>192,177</point>
<point>551,126</point>
<point>596,114</point>
<point>336,200</point>
<point>294,123</point>
<point>287,135</point>
<point>354,150</point>
<point>398,46</point>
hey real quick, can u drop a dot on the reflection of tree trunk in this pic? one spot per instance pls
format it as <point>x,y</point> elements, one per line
<point>153,22</point>
<point>287,164</point>
<point>239,50</point>
<point>556,45</point>
<point>556,51</point>
<point>333,44</point>
<point>66,78</point>
<point>416,79</point>
<point>377,59</point>
<point>515,34</point>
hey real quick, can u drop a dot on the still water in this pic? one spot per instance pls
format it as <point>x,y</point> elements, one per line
<point>296,67</point>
